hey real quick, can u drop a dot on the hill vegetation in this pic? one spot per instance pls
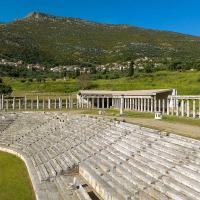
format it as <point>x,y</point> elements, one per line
<point>50,40</point>
<point>186,82</point>
<point>5,89</point>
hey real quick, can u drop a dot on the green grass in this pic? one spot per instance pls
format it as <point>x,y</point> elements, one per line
<point>187,83</point>
<point>58,87</point>
<point>14,179</point>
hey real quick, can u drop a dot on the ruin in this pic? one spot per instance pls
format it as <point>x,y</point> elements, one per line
<point>72,157</point>
<point>164,101</point>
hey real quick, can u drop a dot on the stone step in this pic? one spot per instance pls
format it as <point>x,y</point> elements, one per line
<point>170,192</point>
<point>178,176</point>
<point>99,183</point>
<point>178,186</point>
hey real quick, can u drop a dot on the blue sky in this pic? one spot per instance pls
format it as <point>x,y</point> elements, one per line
<point>175,15</point>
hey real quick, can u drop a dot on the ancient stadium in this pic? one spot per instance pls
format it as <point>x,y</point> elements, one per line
<point>72,156</point>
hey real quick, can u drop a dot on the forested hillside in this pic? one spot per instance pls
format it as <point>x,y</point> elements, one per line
<point>41,38</point>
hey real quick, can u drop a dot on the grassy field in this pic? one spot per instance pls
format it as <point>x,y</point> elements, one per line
<point>186,83</point>
<point>14,179</point>
<point>58,87</point>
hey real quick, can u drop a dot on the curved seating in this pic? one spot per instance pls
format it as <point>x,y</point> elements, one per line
<point>118,160</point>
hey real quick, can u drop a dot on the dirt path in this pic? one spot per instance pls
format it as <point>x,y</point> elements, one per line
<point>179,128</point>
<point>171,127</point>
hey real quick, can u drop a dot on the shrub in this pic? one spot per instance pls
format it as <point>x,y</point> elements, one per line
<point>30,80</point>
<point>23,80</point>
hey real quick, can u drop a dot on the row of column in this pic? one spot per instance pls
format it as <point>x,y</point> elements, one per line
<point>142,104</point>
<point>138,104</point>
<point>185,107</point>
<point>93,102</point>
<point>24,103</point>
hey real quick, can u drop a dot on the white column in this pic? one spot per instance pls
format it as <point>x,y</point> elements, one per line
<point>188,108</point>
<point>67,103</point>
<point>112,102</point>
<point>55,101</point>
<point>168,106</point>
<point>131,103</point>
<point>172,100</point>
<point>155,104</point>
<point>139,104</point>
<point>107,103</point>
<point>88,102</point>
<point>135,104</point>
<point>13,103</point>
<point>82,102</point>
<point>145,105</point>
<point>122,105</point>
<point>177,107</point>
<point>49,103</point>
<point>102,100</point>
<point>194,108</point>
<point>182,107</point>
<point>37,102</point>
<point>148,104</point>
<point>142,104</point>
<point>152,104</point>
<point>159,105</point>
<point>25,103</point>
<point>97,102</point>
<point>60,103</point>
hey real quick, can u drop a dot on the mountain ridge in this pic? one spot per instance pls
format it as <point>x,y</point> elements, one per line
<point>44,38</point>
<point>43,15</point>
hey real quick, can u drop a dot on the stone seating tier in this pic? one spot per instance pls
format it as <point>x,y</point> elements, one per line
<point>118,160</point>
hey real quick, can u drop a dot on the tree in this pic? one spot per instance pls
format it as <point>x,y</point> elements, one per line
<point>175,65</point>
<point>131,69</point>
<point>83,81</point>
<point>77,73</point>
<point>5,89</point>
<point>148,67</point>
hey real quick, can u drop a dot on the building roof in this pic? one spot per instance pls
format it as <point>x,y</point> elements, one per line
<point>130,92</point>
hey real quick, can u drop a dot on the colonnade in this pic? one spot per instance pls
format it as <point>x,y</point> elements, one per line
<point>142,104</point>
<point>185,106</point>
<point>36,103</point>
<point>94,102</point>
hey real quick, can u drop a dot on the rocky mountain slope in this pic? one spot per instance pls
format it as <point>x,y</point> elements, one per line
<point>42,38</point>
